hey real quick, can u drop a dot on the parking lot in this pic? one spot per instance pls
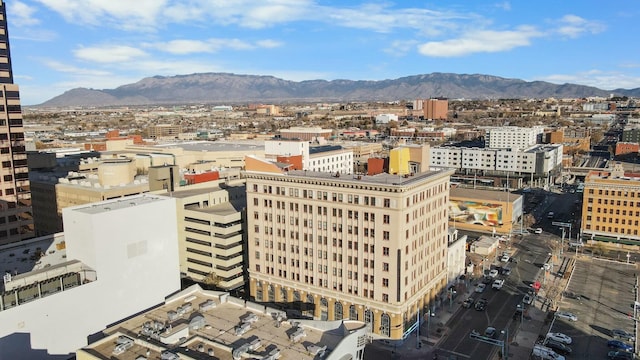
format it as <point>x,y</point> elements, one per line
<point>601,294</point>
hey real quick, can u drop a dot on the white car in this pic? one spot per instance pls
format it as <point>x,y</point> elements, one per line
<point>560,337</point>
<point>493,273</point>
<point>567,315</point>
<point>480,288</point>
<point>538,231</point>
<point>497,284</point>
<point>505,258</point>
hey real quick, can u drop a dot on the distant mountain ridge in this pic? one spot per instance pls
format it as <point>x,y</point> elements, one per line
<point>234,88</point>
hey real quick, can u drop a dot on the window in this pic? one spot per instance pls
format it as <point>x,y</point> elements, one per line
<point>386,219</point>
<point>385,251</point>
<point>385,266</point>
<point>385,282</point>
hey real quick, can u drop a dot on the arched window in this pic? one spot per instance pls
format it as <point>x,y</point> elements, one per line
<point>283,295</point>
<point>271,293</point>
<point>353,312</point>
<point>258,291</point>
<point>338,311</point>
<point>368,316</point>
<point>296,295</point>
<point>324,309</point>
<point>310,298</point>
<point>385,325</point>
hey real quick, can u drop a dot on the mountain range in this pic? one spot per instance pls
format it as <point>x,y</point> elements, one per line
<point>233,88</point>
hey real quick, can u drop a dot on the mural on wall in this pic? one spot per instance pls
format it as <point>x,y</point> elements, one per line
<point>477,213</point>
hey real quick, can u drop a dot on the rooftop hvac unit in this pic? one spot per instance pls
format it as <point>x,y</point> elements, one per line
<point>168,355</point>
<point>242,328</point>
<point>207,305</point>
<point>272,355</point>
<point>251,318</point>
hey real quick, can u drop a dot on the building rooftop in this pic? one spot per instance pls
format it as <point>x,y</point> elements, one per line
<point>323,148</point>
<point>217,146</point>
<point>32,255</point>
<point>489,195</point>
<point>129,201</point>
<point>200,324</point>
<point>226,208</point>
<point>378,179</point>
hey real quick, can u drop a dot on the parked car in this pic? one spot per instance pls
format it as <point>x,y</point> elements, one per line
<point>497,285</point>
<point>493,273</point>
<point>619,355</point>
<point>560,337</point>
<point>543,352</point>
<point>506,271</point>
<point>537,231</point>
<point>505,258</point>
<point>468,302</point>
<point>619,345</point>
<point>527,299</point>
<point>487,280</point>
<point>558,347</point>
<point>481,304</point>
<point>622,335</point>
<point>567,315</point>
<point>480,288</point>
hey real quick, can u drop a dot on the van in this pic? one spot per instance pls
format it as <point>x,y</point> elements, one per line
<point>543,352</point>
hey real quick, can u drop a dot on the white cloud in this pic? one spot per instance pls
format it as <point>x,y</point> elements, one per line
<point>109,53</point>
<point>573,26</point>
<point>401,47</point>
<point>22,14</point>
<point>185,46</point>
<point>606,80</point>
<point>482,41</point>
<point>66,68</point>
<point>505,5</point>
<point>125,14</point>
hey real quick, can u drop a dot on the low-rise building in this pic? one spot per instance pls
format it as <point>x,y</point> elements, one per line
<point>197,324</point>
<point>487,211</point>
<point>611,207</point>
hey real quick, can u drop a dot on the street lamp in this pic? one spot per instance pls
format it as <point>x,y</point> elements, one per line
<point>505,344</point>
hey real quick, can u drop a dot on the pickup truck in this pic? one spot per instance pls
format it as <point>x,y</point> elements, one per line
<point>498,284</point>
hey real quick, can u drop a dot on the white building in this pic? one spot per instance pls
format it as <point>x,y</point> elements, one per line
<point>456,256</point>
<point>536,160</point>
<point>125,254</point>
<point>325,158</point>
<point>386,118</point>
<point>512,137</point>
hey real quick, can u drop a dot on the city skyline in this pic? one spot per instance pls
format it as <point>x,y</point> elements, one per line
<point>60,45</point>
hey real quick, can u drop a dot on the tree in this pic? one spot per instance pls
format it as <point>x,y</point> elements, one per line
<point>212,280</point>
<point>598,248</point>
<point>528,220</point>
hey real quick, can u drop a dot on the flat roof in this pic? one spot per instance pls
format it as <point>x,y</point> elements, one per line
<point>121,203</point>
<point>378,179</point>
<point>218,330</point>
<point>489,195</point>
<point>216,146</point>
<point>21,257</point>
<point>224,209</point>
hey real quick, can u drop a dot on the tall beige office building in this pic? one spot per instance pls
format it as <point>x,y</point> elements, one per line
<point>371,248</point>
<point>16,221</point>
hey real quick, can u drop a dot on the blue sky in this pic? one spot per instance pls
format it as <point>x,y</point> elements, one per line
<point>57,45</point>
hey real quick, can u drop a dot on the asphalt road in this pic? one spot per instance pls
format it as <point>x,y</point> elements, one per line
<point>532,252</point>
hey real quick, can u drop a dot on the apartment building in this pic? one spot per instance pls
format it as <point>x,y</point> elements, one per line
<point>435,109</point>
<point>611,206</point>
<point>538,160</point>
<point>211,233</point>
<point>368,248</point>
<point>16,221</point>
<point>512,137</point>
<point>308,134</point>
<point>167,131</point>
